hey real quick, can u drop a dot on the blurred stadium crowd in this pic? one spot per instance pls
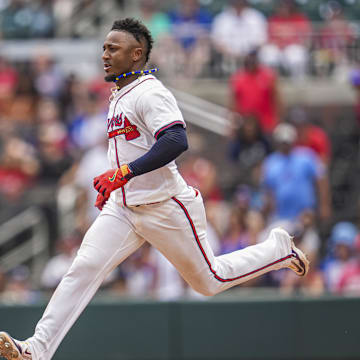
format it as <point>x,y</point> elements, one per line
<point>52,136</point>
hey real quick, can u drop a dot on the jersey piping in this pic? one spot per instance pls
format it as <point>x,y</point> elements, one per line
<point>166,127</point>
<point>117,156</point>
<point>126,92</point>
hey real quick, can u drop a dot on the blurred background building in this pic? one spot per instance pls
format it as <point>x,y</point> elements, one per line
<point>270,91</point>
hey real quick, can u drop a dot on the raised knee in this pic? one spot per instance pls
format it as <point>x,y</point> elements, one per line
<point>206,292</point>
<point>206,287</point>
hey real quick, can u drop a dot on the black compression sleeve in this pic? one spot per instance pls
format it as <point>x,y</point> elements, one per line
<point>169,145</point>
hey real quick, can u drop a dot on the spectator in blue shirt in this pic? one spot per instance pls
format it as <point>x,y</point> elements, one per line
<point>340,252</point>
<point>294,178</point>
<point>190,27</point>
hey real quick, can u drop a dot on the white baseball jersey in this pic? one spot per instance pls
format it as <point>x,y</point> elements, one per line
<point>137,114</point>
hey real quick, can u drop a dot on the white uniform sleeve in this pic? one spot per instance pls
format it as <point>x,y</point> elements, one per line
<point>159,110</point>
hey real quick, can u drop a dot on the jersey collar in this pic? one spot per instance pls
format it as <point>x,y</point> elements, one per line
<point>116,93</point>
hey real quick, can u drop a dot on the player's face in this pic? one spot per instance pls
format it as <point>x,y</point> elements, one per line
<point>121,51</point>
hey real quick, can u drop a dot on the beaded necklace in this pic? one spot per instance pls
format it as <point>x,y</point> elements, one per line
<point>122,76</point>
<point>141,72</point>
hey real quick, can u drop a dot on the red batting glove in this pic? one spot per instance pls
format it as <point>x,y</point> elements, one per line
<point>111,180</point>
<point>100,201</point>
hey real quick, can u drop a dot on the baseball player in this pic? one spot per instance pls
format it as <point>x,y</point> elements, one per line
<point>142,197</point>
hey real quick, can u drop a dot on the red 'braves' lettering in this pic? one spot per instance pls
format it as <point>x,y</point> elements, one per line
<point>115,121</point>
<point>129,130</point>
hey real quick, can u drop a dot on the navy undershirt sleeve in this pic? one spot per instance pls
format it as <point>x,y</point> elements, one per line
<point>169,145</point>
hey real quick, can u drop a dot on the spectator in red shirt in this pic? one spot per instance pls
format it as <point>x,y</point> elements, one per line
<point>18,168</point>
<point>289,31</point>
<point>8,78</point>
<point>254,92</point>
<point>201,173</point>
<point>8,83</point>
<point>310,135</point>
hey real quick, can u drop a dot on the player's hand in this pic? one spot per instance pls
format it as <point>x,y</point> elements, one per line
<point>111,180</point>
<point>100,201</point>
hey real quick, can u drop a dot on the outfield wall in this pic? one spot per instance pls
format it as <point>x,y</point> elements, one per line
<point>326,328</point>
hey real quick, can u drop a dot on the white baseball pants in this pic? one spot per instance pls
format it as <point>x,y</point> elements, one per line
<point>177,228</point>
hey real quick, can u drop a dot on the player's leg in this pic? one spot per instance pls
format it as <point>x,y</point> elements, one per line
<point>177,228</point>
<point>107,243</point>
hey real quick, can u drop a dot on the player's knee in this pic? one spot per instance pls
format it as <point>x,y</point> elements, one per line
<point>206,292</point>
<point>86,265</point>
<point>205,287</point>
<point>89,259</point>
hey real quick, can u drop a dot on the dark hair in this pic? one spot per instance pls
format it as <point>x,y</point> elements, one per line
<point>138,30</point>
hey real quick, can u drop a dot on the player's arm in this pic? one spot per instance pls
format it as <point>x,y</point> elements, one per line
<point>170,144</point>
